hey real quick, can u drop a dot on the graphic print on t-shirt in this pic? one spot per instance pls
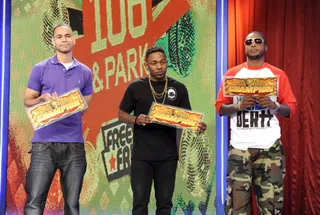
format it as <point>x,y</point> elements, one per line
<point>254,119</point>
<point>172,93</point>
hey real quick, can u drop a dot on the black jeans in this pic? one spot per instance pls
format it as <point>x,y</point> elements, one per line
<point>46,158</point>
<point>142,174</point>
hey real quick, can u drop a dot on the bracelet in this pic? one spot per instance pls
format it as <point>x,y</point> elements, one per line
<point>277,108</point>
<point>135,120</point>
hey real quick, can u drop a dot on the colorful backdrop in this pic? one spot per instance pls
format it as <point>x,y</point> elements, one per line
<point>112,37</point>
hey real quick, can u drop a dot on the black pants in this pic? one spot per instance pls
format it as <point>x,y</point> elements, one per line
<point>46,158</point>
<point>163,173</point>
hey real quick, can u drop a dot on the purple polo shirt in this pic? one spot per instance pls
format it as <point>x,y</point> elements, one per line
<point>50,76</point>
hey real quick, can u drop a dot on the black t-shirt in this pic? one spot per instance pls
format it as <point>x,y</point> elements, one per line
<point>154,141</point>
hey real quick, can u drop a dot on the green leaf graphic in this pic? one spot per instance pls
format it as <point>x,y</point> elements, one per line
<point>181,37</point>
<point>57,13</point>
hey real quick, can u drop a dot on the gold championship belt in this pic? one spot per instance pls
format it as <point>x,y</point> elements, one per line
<point>250,86</point>
<point>46,113</point>
<point>174,116</point>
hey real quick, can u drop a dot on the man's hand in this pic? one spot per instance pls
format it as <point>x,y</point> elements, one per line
<point>202,127</point>
<point>247,102</point>
<point>266,102</point>
<point>143,120</point>
<point>47,97</point>
<point>33,97</point>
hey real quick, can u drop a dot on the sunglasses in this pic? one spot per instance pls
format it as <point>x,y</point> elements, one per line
<point>256,41</point>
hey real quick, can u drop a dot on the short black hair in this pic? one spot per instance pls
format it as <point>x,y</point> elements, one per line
<point>60,25</point>
<point>154,49</point>
<point>261,34</point>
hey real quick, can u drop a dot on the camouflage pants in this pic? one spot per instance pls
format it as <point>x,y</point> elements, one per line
<point>265,169</point>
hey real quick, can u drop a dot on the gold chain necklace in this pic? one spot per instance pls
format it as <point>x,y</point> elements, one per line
<point>159,95</point>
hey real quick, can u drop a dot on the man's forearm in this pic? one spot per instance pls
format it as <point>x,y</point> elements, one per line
<point>31,102</point>
<point>84,111</point>
<point>87,99</point>
<point>284,110</point>
<point>127,118</point>
<point>229,109</point>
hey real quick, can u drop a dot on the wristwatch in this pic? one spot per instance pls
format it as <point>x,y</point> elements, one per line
<point>277,108</point>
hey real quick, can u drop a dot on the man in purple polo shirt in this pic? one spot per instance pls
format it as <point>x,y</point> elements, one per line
<point>61,144</point>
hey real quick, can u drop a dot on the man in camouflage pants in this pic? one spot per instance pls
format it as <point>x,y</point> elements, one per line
<point>256,155</point>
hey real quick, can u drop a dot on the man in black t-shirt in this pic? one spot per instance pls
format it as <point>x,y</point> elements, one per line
<point>155,153</point>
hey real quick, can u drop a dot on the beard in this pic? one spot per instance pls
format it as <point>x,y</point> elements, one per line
<point>64,51</point>
<point>256,57</point>
<point>158,78</point>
